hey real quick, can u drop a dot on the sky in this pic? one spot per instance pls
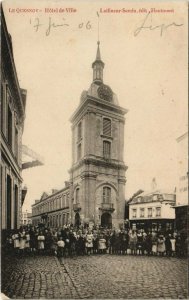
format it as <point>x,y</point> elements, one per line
<point>148,72</point>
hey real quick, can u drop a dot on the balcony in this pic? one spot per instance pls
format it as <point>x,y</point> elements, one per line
<point>107,207</point>
<point>76,207</point>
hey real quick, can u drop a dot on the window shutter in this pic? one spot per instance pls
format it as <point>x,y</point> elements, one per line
<point>106,126</point>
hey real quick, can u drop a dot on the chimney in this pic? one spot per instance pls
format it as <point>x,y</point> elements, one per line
<point>54,191</point>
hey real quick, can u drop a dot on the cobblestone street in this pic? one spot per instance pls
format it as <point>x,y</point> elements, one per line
<point>96,276</point>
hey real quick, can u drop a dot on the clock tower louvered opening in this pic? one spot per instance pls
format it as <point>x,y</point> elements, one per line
<point>106,127</point>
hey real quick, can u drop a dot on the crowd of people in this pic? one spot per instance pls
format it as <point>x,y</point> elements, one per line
<point>70,241</point>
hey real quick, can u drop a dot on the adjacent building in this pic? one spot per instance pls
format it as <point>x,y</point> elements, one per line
<point>182,207</point>
<point>13,103</point>
<point>26,218</point>
<point>153,211</point>
<point>53,210</point>
<point>97,175</point>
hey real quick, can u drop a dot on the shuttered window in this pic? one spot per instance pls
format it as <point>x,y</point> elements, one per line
<point>106,149</point>
<point>106,126</point>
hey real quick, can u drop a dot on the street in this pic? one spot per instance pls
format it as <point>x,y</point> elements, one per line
<point>96,276</point>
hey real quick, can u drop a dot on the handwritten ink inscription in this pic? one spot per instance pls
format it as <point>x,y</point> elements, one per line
<point>52,25</point>
<point>147,23</point>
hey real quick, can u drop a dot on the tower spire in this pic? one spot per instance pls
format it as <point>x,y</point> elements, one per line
<point>98,64</point>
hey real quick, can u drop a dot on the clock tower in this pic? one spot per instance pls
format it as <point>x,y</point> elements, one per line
<point>97,174</point>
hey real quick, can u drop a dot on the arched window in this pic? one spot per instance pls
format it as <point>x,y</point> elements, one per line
<point>106,149</point>
<point>77,195</point>
<point>106,194</point>
<point>107,126</point>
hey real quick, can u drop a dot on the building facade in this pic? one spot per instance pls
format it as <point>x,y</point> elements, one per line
<point>153,211</point>
<point>52,210</point>
<point>182,207</point>
<point>13,102</point>
<point>97,175</point>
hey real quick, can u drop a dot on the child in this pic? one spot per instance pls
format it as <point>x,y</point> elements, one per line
<point>60,250</point>
<point>102,244</point>
<point>41,242</point>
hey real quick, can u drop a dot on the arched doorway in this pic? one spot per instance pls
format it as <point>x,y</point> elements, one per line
<point>77,219</point>
<point>106,220</point>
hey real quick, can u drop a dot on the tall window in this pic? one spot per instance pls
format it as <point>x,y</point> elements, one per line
<point>2,107</point>
<point>106,126</point>
<point>106,195</point>
<point>134,213</point>
<point>65,204</point>
<point>77,194</point>
<point>79,131</point>
<point>16,143</point>
<point>106,149</point>
<point>142,212</point>
<point>158,211</point>
<point>79,151</point>
<point>149,212</point>
<point>9,126</point>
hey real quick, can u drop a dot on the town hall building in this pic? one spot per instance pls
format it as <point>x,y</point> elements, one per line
<point>97,175</point>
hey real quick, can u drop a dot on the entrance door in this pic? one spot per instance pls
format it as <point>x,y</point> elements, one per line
<point>77,220</point>
<point>106,220</point>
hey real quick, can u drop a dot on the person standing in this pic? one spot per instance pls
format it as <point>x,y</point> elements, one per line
<point>154,243</point>
<point>168,245</point>
<point>41,242</point>
<point>89,242</point>
<point>133,242</point>
<point>173,242</point>
<point>161,245</point>
<point>60,249</point>
<point>102,244</point>
<point>148,244</point>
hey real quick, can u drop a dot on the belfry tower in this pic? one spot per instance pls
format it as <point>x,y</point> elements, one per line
<point>98,171</point>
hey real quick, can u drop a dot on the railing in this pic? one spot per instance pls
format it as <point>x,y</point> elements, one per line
<point>76,206</point>
<point>107,206</point>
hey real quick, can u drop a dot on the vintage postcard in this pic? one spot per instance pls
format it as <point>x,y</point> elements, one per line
<point>94,149</point>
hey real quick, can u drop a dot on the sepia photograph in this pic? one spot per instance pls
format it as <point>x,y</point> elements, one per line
<point>94,149</point>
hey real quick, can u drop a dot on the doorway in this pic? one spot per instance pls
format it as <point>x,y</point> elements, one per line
<point>106,220</point>
<point>77,220</point>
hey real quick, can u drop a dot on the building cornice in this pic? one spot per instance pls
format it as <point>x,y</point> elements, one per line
<point>97,103</point>
<point>50,212</point>
<point>98,161</point>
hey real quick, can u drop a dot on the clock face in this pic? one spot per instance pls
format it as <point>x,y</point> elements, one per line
<point>105,92</point>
